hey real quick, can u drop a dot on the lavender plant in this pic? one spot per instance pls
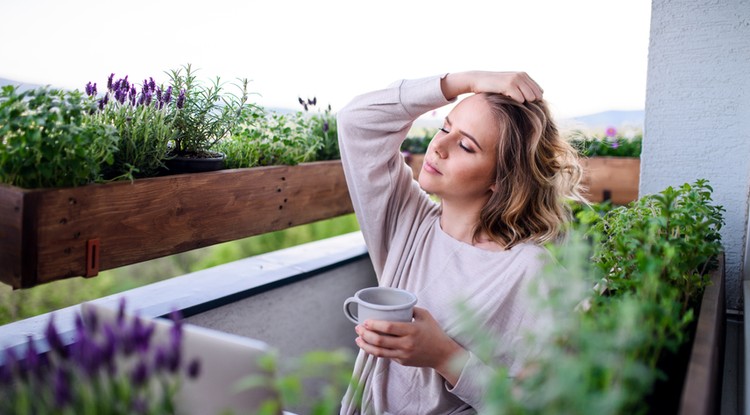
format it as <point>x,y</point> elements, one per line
<point>109,369</point>
<point>322,125</point>
<point>143,123</point>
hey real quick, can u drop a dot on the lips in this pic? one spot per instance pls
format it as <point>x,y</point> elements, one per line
<point>430,168</point>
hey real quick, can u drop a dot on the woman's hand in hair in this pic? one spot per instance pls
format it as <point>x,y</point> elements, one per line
<point>517,85</point>
<point>420,343</point>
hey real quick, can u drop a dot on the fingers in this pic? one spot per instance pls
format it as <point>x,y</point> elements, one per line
<point>524,88</point>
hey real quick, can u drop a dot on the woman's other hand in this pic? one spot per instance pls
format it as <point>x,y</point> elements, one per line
<point>421,343</point>
<point>517,85</point>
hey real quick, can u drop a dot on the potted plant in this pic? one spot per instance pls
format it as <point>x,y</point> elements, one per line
<point>202,116</point>
<point>47,139</point>
<point>611,165</point>
<point>143,123</point>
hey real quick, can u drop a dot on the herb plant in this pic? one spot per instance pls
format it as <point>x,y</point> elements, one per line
<point>618,300</point>
<point>109,369</point>
<point>203,114</point>
<point>143,123</point>
<point>276,139</point>
<point>611,145</point>
<point>47,139</point>
<point>323,125</point>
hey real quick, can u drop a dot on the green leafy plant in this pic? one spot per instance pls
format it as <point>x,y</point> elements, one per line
<point>203,114</point>
<point>616,303</point>
<point>330,369</point>
<point>611,144</point>
<point>47,139</point>
<point>322,125</point>
<point>276,139</point>
<point>143,124</point>
<point>417,141</point>
<point>111,368</point>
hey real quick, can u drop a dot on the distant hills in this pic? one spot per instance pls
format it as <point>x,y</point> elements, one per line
<point>600,120</point>
<point>615,118</point>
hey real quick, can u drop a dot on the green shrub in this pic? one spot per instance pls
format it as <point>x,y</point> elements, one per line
<point>619,299</point>
<point>48,140</point>
<point>612,146</point>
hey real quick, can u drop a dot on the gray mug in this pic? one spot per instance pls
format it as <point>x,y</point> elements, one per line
<point>381,303</point>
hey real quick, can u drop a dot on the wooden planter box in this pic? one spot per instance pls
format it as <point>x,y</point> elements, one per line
<point>611,178</point>
<point>605,178</point>
<point>51,234</point>
<point>701,391</point>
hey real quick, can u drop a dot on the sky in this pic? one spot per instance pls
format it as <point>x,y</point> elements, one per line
<point>588,55</point>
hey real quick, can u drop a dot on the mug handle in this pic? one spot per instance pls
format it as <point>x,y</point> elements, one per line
<point>348,311</point>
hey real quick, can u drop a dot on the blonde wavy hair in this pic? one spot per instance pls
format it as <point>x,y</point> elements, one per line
<point>537,173</point>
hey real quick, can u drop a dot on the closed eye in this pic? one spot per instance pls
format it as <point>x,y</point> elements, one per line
<point>464,148</point>
<point>442,129</point>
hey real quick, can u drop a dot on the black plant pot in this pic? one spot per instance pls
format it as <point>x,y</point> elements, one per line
<point>191,163</point>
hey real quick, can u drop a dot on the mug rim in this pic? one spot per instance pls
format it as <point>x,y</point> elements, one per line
<point>411,303</point>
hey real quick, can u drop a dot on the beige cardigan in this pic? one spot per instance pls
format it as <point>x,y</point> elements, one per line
<point>409,250</point>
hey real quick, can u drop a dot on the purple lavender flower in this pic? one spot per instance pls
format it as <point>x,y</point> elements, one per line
<point>125,84</point>
<point>139,374</point>
<point>611,131</point>
<point>181,99</point>
<point>161,359</point>
<point>301,101</point>
<point>158,94</point>
<point>325,126</point>
<point>615,144</point>
<point>151,84</point>
<point>168,95</point>
<point>109,82</point>
<point>90,89</point>
<point>62,388</point>
<point>32,361</point>
<point>52,336</point>
<point>121,312</point>
<point>305,106</point>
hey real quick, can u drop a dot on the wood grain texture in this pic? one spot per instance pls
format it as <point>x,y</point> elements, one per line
<point>155,217</point>
<point>11,235</point>
<point>615,177</point>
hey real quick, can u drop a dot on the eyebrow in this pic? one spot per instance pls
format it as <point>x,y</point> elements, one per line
<point>465,133</point>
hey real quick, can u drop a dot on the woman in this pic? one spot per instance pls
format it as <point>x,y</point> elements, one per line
<point>501,173</point>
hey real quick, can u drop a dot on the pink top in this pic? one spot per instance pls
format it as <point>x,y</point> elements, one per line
<point>409,250</point>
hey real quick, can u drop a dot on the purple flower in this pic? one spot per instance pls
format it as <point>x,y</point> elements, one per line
<point>109,81</point>
<point>615,144</point>
<point>301,101</point>
<point>125,84</point>
<point>51,334</point>
<point>91,89</point>
<point>181,99</point>
<point>158,94</point>
<point>139,374</point>
<point>161,359</point>
<point>611,131</point>
<point>325,126</point>
<point>151,84</point>
<point>62,390</point>
<point>32,360</point>
<point>139,406</point>
<point>168,95</point>
<point>121,312</point>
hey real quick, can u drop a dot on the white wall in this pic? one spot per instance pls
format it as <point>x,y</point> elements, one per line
<point>698,109</point>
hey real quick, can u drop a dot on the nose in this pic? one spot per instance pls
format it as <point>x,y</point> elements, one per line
<point>437,145</point>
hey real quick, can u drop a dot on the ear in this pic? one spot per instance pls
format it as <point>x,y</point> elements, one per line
<point>493,187</point>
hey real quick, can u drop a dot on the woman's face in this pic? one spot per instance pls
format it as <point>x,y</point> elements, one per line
<point>461,160</point>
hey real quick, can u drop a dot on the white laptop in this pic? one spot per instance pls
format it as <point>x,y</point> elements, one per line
<point>224,360</point>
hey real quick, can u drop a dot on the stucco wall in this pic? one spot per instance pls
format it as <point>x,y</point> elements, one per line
<point>697,110</point>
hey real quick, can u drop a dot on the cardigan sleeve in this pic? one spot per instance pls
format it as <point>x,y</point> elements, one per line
<point>371,129</point>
